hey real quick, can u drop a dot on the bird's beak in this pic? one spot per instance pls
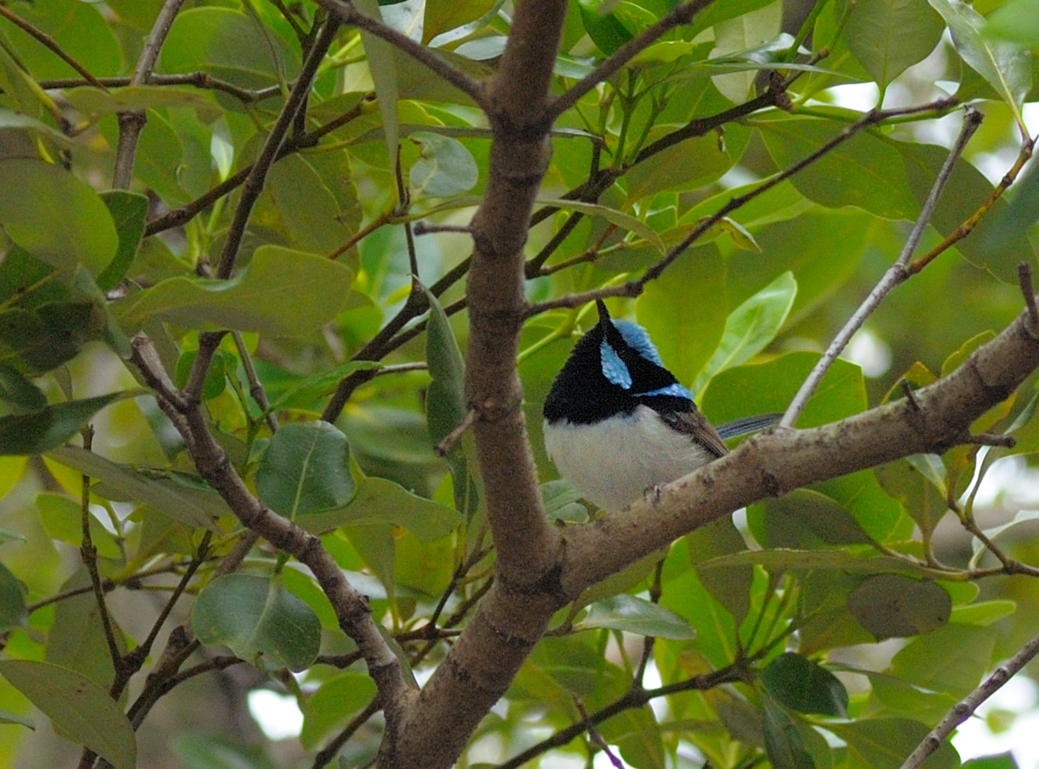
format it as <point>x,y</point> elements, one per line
<point>604,314</point>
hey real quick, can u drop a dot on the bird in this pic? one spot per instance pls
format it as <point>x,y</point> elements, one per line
<point>618,423</point>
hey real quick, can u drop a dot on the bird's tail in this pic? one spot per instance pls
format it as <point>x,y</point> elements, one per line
<point>738,427</point>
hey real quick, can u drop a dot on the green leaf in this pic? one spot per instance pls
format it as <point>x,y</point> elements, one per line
<point>62,519</point>
<point>19,391</point>
<point>1016,21</point>
<point>445,167</point>
<point>383,68</point>
<point>805,519</point>
<point>78,708</point>
<point>894,606</point>
<point>914,485</point>
<point>306,468</point>
<point>310,217</point>
<point>259,620</point>
<point>612,215</point>
<point>382,501</point>
<point>93,101</point>
<point>888,36</point>
<point>82,233</point>
<point>864,171</point>
<point>445,399</point>
<point>952,659</point>
<point>12,601</point>
<point>129,211</point>
<point>80,30</point>
<point>783,741</point>
<point>639,736</point>
<point>883,743</point>
<point>445,17</point>
<point>51,426</point>
<point>304,392</point>
<point>77,640</point>
<point>12,718</point>
<point>332,704</point>
<point>813,560</point>
<point>805,686</point>
<point>636,615</point>
<point>685,311</point>
<point>1005,66</point>
<point>742,38</point>
<point>751,327</point>
<point>229,45</point>
<point>192,505</point>
<point>263,297</point>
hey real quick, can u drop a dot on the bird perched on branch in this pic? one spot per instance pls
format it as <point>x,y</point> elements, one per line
<point>617,423</point>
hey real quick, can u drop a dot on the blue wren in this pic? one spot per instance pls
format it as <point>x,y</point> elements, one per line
<point>617,423</point>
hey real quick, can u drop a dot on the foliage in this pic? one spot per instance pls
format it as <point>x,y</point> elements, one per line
<point>271,177</point>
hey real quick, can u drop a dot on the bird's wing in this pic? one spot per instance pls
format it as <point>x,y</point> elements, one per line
<point>695,425</point>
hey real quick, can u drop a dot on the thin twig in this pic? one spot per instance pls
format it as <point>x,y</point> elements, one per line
<point>635,698</point>
<point>268,154</point>
<point>256,390</point>
<point>51,44</point>
<point>682,14</point>
<point>463,82</point>
<point>894,275</point>
<point>443,448</point>
<point>185,213</point>
<point>327,753</point>
<point>634,288</point>
<point>963,709</point>
<point>965,229</point>
<point>131,123</point>
<point>199,79</point>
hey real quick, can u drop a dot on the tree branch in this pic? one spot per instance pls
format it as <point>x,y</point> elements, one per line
<point>50,44</point>
<point>965,708</point>
<point>350,15</point>
<point>682,14</point>
<point>132,123</point>
<point>895,275</point>
<point>775,462</point>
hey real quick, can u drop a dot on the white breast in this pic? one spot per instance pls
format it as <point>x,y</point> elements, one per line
<point>613,463</point>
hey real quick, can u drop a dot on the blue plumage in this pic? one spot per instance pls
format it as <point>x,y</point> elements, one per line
<point>617,422</point>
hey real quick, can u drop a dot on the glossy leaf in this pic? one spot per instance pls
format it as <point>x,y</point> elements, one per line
<point>636,615</point>
<point>785,746</point>
<point>259,620</point>
<point>893,606</point>
<point>445,167</point>
<point>332,704</point>
<point>445,399</point>
<point>885,742</point>
<point>625,221</point>
<point>78,708</point>
<point>230,45</point>
<point>382,501</point>
<point>864,171</point>
<point>685,312</point>
<point>888,36</point>
<point>129,211</point>
<point>805,519</point>
<point>12,601</point>
<point>263,297</point>
<point>1005,66</point>
<point>192,505</point>
<point>306,468</point>
<point>751,327</point>
<point>952,659</point>
<point>48,428</point>
<point>383,69</point>
<point>79,28</point>
<point>62,518</point>
<point>804,686</point>
<point>83,234</point>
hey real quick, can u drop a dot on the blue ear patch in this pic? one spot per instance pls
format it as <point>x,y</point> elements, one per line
<point>637,337</point>
<point>613,368</point>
